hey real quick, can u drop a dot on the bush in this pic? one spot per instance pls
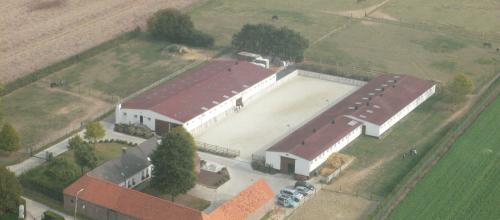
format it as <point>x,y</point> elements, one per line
<point>262,167</point>
<point>200,39</point>
<point>130,129</point>
<point>51,179</point>
<point>49,215</point>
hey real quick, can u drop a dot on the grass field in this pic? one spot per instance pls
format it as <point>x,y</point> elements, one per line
<point>464,184</point>
<point>42,114</point>
<point>478,16</point>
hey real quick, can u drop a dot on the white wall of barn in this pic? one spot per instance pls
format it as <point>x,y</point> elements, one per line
<point>320,159</point>
<point>305,167</point>
<point>132,116</point>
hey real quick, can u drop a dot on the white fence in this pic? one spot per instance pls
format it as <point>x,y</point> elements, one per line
<point>332,78</point>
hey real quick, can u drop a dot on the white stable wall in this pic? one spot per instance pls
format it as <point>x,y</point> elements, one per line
<point>305,167</point>
<point>132,116</point>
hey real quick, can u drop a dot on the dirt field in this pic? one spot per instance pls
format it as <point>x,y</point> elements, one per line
<point>274,115</point>
<point>38,33</point>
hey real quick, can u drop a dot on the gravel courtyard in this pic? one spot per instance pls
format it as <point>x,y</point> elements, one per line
<point>272,116</point>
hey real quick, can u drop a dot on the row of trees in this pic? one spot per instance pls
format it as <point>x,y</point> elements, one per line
<point>173,26</point>
<point>271,41</point>
<point>9,138</point>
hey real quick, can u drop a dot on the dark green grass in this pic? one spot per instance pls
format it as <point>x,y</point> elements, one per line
<point>465,183</point>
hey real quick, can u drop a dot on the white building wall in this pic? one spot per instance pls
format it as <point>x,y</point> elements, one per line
<point>137,179</point>
<point>315,163</point>
<point>406,110</point>
<point>132,116</point>
<point>305,167</point>
<point>227,107</point>
<point>375,130</point>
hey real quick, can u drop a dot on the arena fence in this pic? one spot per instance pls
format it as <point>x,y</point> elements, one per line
<point>217,150</point>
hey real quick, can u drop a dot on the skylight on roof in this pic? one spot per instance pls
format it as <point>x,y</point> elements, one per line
<point>359,103</point>
<point>362,116</point>
<point>351,107</point>
<point>378,89</point>
<point>371,93</point>
<point>234,92</point>
<point>246,86</point>
<point>215,102</point>
<point>204,108</point>
<point>225,96</point>
<point>376,106</point>
<point>369,111</point>
<point>352,123</point>
<point>364,98</point>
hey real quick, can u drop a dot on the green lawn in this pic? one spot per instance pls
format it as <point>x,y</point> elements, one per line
<point>122,70</point>
<point>478,16</point>
<point>464,184</point>
<point>104,152</point>
<point>37,112</point>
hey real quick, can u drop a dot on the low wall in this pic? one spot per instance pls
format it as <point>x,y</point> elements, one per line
<point>332,78</point>
<point>329,178</point>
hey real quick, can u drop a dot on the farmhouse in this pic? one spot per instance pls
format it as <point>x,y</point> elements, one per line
<point>103,200</point>
<point>372,110</point>
<point>197,99</point>
<point>131,168</point>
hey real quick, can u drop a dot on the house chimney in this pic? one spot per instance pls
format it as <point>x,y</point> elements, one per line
<point>333,121</point>
<point>367,103</point>
<point>381,94</point>
<point>355,108</point>
<point>229,69</point>
<point>314,130</point>
<point>303,142</point>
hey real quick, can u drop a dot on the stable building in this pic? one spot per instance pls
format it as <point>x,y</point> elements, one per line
<point>372,109</point>
<point>197,99</point>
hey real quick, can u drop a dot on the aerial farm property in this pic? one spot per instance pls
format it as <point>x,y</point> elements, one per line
<point>291,118</point>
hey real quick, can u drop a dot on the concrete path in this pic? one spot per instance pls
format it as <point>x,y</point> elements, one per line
<point>62,147</point>
<point>35,210</point>
<point>242,176</point>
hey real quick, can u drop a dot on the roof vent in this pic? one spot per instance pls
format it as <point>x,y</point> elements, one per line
<point>333,121</point>
<point>355,107</point>
<point>370,98</point>
<point>303,142</point>
<point>394,86</point>
<point>381,94</point>
<point>367,103</point>
<point>229,69</point>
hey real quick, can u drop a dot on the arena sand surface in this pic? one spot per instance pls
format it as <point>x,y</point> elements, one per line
<point>273,115</point>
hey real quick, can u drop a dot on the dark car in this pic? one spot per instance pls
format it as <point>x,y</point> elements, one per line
<point>305,184</point>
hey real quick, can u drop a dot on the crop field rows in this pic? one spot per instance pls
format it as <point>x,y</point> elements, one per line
<point>464,184</point>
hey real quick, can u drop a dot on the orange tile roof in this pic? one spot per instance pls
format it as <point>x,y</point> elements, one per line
<point>130,202</point>
<point>245,203</point>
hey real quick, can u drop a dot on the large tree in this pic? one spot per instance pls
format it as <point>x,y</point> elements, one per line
<point>268,40</point>
<point>62,170</point>
<point>10,191</point>
<point>459,88</point>
<point>174,163</point>
<point>84,154</point>
<point>94,131</point>
<point>176,27</point>
<point>9,138</point>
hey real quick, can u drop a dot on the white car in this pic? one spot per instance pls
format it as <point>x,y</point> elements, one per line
<point>303,190</point>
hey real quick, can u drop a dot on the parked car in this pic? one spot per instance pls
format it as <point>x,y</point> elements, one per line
<point>305,184</point>
<point>286,201</point>
<point>292,193</point>
<point>303,190</point>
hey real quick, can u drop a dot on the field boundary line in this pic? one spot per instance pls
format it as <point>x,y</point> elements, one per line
<point>441,148</point>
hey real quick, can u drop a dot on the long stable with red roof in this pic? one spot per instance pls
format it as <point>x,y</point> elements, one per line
<point>207,91</point>
<point>375,107</point>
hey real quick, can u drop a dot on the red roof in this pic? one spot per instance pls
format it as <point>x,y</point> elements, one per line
<point>129,202</point>
<point>185,97</point>
<point>245,203</point>
<point>405,90</point>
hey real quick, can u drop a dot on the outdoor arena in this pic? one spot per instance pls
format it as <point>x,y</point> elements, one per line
<point>274,114</point>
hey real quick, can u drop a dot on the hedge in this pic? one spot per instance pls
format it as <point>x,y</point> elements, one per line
<point>32,77</point>
<point>134,130</point>
<point>49,215</point>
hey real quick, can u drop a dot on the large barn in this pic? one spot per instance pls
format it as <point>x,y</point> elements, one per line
<point>197,99</point>
<point>372,110</point>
